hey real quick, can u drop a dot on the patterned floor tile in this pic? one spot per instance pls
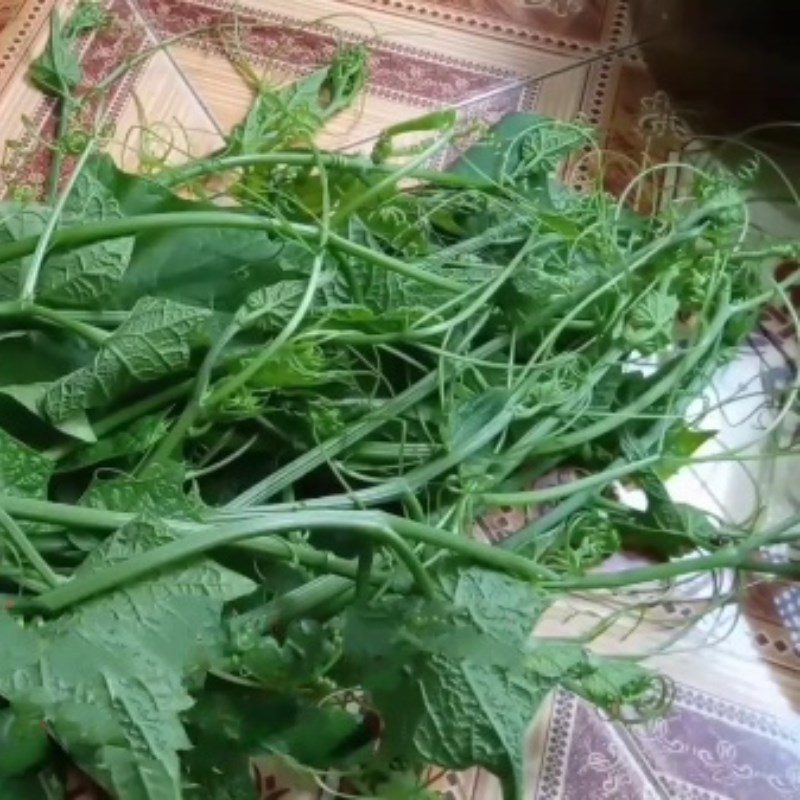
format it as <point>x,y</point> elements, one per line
<point>709,748</point>
<point>585,757</point>
<point>573,25</point>
<point>705,749</point>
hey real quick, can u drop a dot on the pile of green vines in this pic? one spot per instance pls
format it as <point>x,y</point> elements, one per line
<point>245,445</point>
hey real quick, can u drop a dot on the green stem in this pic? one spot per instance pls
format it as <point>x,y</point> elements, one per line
<point>355,200</point>
<point>141,407</point>
<point>364,574</point>
<point>235,382</point>
<point>578,499</point>
<point>728,558</point>
<point>471,549</point>
<point>108,521</point>
<point>686,364</point>
<point>193,408</point>
<point>330,161</point>
<point>102,319</point>
<point>18,308</point>
<point>297,603</point>
<point>126,415</point>
<point>392,452</point>
<point>595,481</point>
<point>206,538</point>
<point>49,236</point>
<point>311,460</point>
<point>64,120</point>
<point>225,530</point>
<point>412,481</point>
<point>88,233</point>
<point>18,537</point>
<point>279,549</point>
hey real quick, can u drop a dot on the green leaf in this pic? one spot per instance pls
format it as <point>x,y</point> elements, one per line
<point>84,276</point>
<point>38,786</point>
<point>283,117</point>
<point>649,327</point>
<point>665,528</point>
<point>680,443</point>
<point>494,707</point>
<point>215,268</point>
<point>612,684</point>
<point>23,471</point>
<point>421,681</point>
<point>521,149</point>
<point>57,71</point>
<point>471,417</point>
<point>299,660</point>
<point>143,434</point>
<point>157,491</point>
<point>89,15</point>
<point>90,274</point>
<point>295,365</point>
<point>176,615</point>
<point>30,397</point>
<point>23,742</point>
<point>39,356</point>
<point>153,342</point>
<point>388,145</point>
<point>232,726</point>
<point>458,681</point>
<point>271,306</point>
<point>110,676</point>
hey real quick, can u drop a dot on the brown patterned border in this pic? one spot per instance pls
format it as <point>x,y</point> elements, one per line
<point>411,75</point>
<point>705,748</point>
<point>563,26</point>
<point>17,37</point>
<point>100,53</point>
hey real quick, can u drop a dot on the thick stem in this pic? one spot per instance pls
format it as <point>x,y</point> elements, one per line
<point>108,521</point>
<point>227,529</point>
<point>88,233</point>
<point>25,310</point>
<point>330,161</point>
<point>206,538</point>
<point>48,236</point>
<point>728,558</point>
<point>296,603</point>
<point>476,551</point>
<point>595,481</point>
<point>20,540</point>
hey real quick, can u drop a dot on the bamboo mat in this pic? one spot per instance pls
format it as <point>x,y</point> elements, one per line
<point>734,731</point>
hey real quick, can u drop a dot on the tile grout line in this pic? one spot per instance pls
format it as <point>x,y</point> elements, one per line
<point>520,37</point>
<point>157,40</point>
<point>525,81</point>
<point>648,773</point>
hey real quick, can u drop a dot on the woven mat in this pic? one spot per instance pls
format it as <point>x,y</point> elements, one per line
<point>733,731</point>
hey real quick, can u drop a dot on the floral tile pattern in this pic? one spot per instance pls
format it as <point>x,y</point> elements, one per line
<point>576,25</point>
<point>704,749</point>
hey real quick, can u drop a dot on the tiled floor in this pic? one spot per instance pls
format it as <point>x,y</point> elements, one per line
<point>734,731</point>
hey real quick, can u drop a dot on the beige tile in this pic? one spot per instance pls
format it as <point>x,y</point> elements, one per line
<point>163,117</point>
